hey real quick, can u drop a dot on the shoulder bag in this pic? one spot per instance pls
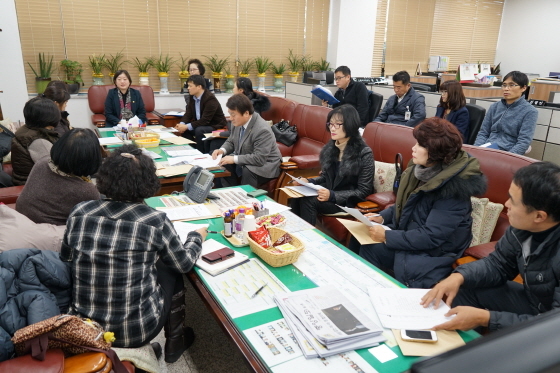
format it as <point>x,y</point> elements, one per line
<point>285,133</point>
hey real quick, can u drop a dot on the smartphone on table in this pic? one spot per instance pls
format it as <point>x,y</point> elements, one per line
<point>427,336</point>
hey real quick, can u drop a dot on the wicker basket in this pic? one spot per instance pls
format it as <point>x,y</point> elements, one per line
<point>277,259</point>
<point>145,139</point>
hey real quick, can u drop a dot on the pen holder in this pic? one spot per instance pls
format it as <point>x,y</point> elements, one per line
<point>260,213</point>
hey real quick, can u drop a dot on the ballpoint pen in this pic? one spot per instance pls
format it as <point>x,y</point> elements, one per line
<point>207,231</point>
<point>258,290</point>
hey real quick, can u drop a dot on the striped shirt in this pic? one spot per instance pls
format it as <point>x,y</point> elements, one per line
<point>113,248</point>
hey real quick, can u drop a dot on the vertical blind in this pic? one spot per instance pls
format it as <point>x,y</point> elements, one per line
<point>238,29</point>
<point>463,30</point>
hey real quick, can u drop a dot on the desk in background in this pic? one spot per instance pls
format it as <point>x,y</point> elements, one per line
<point>168,120</point>
<point>294,280</point>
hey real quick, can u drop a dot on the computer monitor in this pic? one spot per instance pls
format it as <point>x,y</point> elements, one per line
<point>527,347</point>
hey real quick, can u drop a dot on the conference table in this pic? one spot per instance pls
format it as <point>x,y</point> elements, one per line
<point>294,279</point>
<point>171,183</point>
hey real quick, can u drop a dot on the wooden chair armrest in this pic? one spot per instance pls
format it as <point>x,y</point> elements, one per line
<point>288,166</point>
<point>368,207</point>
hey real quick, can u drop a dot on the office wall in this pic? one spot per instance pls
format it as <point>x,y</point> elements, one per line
<point>12,73</point>
<point>351,34</point>
<point>529,37</point>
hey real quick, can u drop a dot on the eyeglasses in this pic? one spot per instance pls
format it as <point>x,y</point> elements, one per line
<point>193,70</point>
<point>334,125</point>
<point>337,78</point>
<point>510,86</point>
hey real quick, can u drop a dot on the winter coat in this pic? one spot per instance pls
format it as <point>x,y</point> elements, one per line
<point>260,103</point>
<point>511,127</point>
<point>394,111</point>
<point>34,285</point>
<point>431,224</point>
<point>356,94</point>
<point>541,274</point>
<point>459,118</point>
<point>354,178</point>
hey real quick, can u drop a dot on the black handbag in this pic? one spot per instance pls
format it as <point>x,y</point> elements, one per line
<point>5,141</point>
<point>398,167</point>
<point>285,133</point>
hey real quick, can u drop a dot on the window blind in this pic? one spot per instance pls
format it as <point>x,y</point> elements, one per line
<point>379,39</point>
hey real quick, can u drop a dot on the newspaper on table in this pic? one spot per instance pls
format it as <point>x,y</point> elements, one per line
<point>324,319</point>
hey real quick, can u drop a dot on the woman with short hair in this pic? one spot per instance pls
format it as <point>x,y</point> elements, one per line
<point>431,219</point>
<point>452,107</point>
<point>57,184</point>
<point>33,141</point>
<point>127,259</point>
<point>57,91</point>
<point>347,168</point>
<point>123,102</point>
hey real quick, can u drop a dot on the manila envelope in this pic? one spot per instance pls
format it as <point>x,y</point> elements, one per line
<point>447,340</point>
<point>173,170</point>
<point>359,230</point>
<point>179,140</point>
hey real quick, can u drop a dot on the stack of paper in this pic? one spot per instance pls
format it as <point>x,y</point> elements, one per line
<point>303,190</point>
<point>214,269</point>
<point>326,320</point>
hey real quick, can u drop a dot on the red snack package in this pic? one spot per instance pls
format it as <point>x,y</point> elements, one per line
<point>285,238</point>
<point>261,236</point>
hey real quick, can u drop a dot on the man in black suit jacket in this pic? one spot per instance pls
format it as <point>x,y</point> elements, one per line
<point>250,152</point>
<point>203,113</point>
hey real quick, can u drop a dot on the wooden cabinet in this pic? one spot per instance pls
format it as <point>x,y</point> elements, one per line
<point>540,89</point>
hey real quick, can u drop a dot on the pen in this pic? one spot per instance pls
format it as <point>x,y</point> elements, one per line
<point>258,290</point>
<point>207,231</point>
<point>291,181</point>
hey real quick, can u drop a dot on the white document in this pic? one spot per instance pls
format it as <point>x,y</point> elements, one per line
<point>113,140</point>
<point>274,342</point>
<point>182,152</point>
<point>188,212</point>
<point>305,191</point>
<point>231,198</point>
<point>206,161</point>
<point>175,113</point>
<point>173,161</point>
<point>150,153</point>
<point>383,353</point>
<point>234,288</point>
<point>274,207</point>
<point>361,217</point>
<point>211,245</point>
<point>162,129</point>
<point>106,129</point>
<point>183,229</point>
<point>165,135</point>
<point>309,185</point>
<point>401,309</point>
<point>348,362</point>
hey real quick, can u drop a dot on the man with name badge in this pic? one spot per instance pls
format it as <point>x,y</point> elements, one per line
<point>250,152</point>
<point>482,292</point>
<point>406,106</point>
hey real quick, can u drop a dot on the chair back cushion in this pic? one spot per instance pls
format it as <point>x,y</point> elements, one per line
<point>476,115</point>
<point>312,130</point>
<point>485,215</point>
<point>384,177</point>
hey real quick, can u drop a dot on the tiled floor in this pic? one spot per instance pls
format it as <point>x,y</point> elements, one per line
<point>212,351</point>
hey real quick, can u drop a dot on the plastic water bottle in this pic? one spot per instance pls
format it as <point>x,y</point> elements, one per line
<point>239,222</point>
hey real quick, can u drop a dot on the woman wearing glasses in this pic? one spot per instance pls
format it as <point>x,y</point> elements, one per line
<point>510,123</point>
<point>452,107</point>
<point>347,168</point>
<point>197,68</point>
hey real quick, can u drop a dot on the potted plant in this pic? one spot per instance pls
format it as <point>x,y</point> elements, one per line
<point>163,65</point>
<point>307,64</point>
<point>229,79</point>
<point>294,64</point>
<point>183,65</point>
<point>43,78</point>
<point>73,71</point>
<point>278,71</point>
<point>217,66</point>
<point>143,67</point>
<point>114,63</point>
<point>244,67</point>
<point>323,65</point>
<point>97,63</point>
<point>262,64</point>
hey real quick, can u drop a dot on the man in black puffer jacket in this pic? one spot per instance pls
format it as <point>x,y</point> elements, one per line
<point>482,292</point>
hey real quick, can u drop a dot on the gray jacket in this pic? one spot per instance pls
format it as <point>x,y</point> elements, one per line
<point>394,112</point>
<point>540,272</point>
<point>258,150</point>
<point>511,127</point>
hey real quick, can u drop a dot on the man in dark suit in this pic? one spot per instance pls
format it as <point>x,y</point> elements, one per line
<point>250,152</point>
<point>406,106</point>
<point>203,113</point>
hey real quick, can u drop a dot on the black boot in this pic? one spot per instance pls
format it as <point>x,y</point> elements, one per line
<point>178,337</point>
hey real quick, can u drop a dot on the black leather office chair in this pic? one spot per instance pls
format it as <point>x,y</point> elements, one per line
<point>375,101</point>
<point>476,114</point>
<point>424,87</point>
